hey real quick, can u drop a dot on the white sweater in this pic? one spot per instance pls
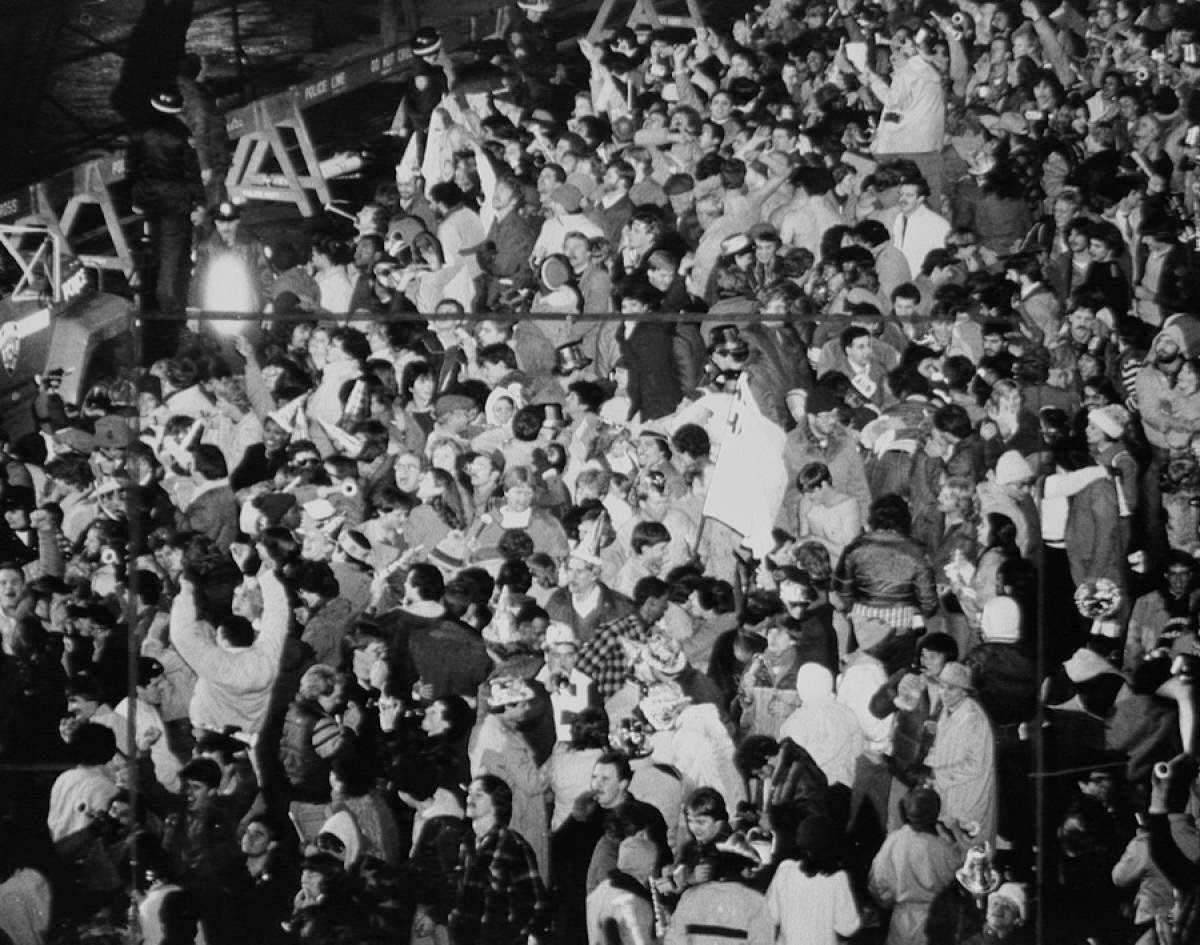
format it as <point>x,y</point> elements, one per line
<point>233,686</point>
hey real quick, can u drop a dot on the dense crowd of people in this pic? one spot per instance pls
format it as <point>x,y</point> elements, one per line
<point>853,597</point>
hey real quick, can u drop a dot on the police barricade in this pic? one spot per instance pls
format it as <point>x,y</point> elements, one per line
<point>40,223</point>
<point>644,11</point>
<point>38,237</point>
<point>275,159</point>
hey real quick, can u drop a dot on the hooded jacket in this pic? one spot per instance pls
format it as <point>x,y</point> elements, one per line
<point>827,729</point>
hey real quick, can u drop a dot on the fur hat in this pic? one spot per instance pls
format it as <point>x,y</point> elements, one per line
<point>665,655</point>
<point>1014,893</point>
<point>663,704</point>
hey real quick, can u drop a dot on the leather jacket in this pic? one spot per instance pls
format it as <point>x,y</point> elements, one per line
<point>164,169</point>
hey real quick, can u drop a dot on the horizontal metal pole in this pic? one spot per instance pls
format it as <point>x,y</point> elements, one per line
<point>195,314</point>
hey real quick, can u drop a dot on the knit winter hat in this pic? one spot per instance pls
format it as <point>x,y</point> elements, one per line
<point>1015,894</point>
<point>586,184</point>
<point>814,682</point>
<point>1001,621</point>
<point>1011,468</point>
<point>342,827</point>
<point>1184,330</point>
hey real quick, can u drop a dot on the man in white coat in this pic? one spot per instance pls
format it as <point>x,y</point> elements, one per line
<point>917,229</point>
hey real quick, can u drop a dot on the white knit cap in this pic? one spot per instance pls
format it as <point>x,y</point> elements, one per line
<point>1014,893</point>
<point>1012,467</point>
<point>1001,620</point>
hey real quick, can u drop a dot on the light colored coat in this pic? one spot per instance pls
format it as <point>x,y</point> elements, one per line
<point>907,874</point>
<point>963,759</point>
<point>719,905</point>
<point>233,686</point>
<point>826,729</point>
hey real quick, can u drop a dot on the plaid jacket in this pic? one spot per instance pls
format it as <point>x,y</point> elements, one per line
<point>603,657</point>
<point>500,898</point>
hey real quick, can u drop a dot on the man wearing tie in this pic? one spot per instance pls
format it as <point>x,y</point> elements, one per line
<point>917,229</point>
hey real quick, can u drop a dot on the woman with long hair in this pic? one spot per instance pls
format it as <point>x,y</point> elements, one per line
<point>810,899</point>
<point>438,492</point>
<point>973,588</point>
<point>417,391</point>
<point>951,526</point>
<point>429,280</point>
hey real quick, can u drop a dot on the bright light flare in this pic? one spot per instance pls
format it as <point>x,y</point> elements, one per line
<point>229,287</point>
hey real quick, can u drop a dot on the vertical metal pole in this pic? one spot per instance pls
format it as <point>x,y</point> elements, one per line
<point>239,69</point>
<point>134,528</point>
<point>1039,745</point>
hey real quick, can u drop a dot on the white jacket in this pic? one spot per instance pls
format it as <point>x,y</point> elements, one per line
<point>233,686</point>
